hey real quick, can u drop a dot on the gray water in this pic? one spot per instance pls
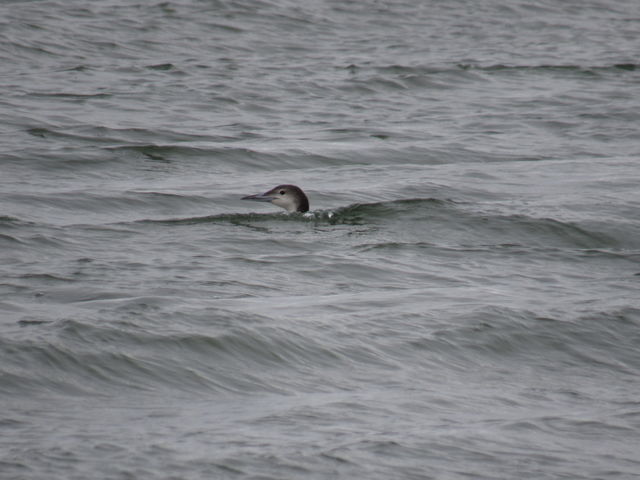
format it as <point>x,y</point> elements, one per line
<point>461,302</point>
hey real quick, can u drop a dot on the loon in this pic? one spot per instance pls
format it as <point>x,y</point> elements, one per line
<point>289,197</point>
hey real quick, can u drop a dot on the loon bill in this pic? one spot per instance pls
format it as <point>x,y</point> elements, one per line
<point>289,197</point>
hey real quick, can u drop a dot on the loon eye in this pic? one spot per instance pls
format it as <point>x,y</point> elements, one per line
<point>281,192</point>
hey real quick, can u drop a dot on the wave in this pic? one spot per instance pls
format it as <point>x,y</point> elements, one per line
<point>368,80</point>
<point>499,67</point>
<point>230,354</point>
<point>436,220</point>
<point>168,146</point>
<point>447,220</point>
<point>605,340</point>
<point>613,68</point>
<point>115,137</point>
<point>355,214</point>
<point>9,220</point>
<point>243,354</point>
<point>108,203</point>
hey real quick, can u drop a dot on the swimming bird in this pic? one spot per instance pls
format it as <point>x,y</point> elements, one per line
<point>289,197</point>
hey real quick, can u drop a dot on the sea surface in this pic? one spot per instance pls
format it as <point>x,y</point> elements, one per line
<point>461,302</point>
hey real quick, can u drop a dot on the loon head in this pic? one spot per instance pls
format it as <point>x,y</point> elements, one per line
<point>289,197</point>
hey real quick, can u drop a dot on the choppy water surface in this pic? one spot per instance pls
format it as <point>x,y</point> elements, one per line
<point>461,302</point>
